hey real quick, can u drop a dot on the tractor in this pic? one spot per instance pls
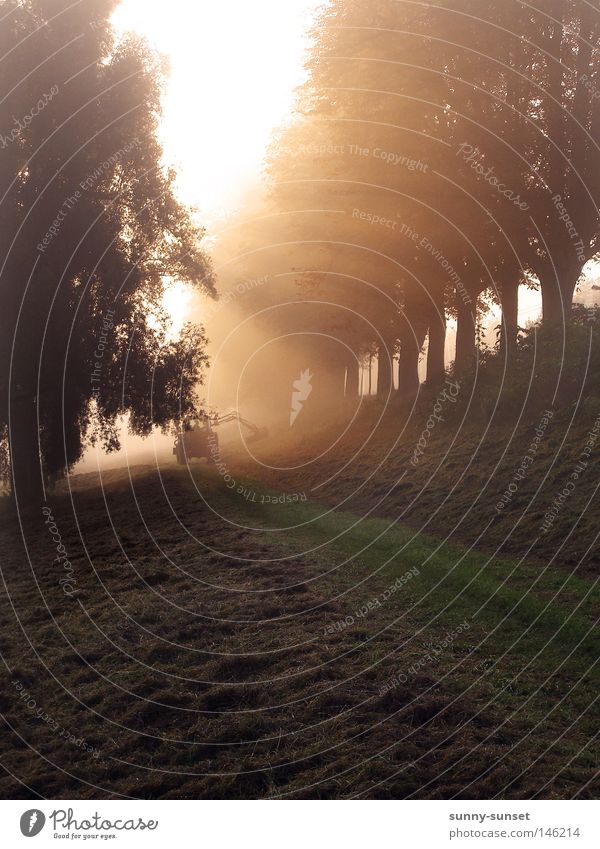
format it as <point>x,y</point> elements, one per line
<point>197,438</point>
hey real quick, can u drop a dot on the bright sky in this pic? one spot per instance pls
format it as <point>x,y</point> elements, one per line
<point>234,67</point>
<point>235,64</point>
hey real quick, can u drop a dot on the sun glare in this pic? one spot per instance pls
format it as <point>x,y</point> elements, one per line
<point>234,67</point>
<point>176,301</point>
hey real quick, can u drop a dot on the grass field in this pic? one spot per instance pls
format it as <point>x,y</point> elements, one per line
<point>218,645</point>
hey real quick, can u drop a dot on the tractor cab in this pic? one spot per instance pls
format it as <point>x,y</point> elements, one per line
<point>196,440</point>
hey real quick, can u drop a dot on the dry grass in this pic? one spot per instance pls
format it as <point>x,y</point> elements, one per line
<point>195,661</point>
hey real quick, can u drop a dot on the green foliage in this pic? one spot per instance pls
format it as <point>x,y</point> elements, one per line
<point>91,233</point>
<point>551,367</point>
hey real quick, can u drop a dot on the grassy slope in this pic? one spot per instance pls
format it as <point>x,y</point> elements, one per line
<point>453,491</point>
<point>250,671</point>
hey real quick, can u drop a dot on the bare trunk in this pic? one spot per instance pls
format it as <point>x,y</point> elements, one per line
<point>466,337</point>
<point>26,469</point>
<point>558,287</point>
<point>510,320</point>
<point>385,364</point>
<point>409,371</point>
<point>557,120</point>
<point>352,370</point>
<point>436,349</point>
<point>410,351</point>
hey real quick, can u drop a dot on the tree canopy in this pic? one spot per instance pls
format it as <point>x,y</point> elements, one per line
<point>441,155</point>
<point>92,234</point>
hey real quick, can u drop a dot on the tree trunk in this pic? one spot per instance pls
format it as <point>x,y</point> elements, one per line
<point>509,327</point>
<point>409,370</point>
<point>26,469</point>
<point>555,98</point>
<point>352,370</point>
<point>558,288</point>
<point>410,351</point>
<point>385,365</point>
<point>436,349</point>
<point>552,303</point>
<point>466,338</point>
<point>413,330</point>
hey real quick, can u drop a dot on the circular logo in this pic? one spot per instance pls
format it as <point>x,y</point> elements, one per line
<point>32,822</point>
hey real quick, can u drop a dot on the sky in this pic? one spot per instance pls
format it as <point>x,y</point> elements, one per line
<point>234,67</point>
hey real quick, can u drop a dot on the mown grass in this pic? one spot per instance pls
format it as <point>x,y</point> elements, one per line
<point>205,673</point>
<point>533,628</point>
<point>459,582</point>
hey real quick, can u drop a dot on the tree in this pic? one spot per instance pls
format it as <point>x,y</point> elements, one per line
<point>566,235</point>
<point>92,233</point>
<point>469,128</point>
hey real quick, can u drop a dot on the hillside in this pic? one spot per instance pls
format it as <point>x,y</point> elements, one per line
<point>211,643</point>
<point>492,485</point>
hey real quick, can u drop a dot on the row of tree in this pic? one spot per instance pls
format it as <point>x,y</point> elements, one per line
<point>442,155</point>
